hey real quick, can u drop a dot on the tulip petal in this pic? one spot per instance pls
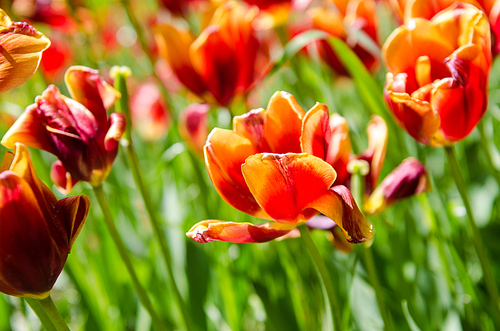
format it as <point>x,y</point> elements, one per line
<point>20,52</point>
<point>94,93</point>
<point>284,184</point>
<point>193,126</point>
<point>28,251</point>
<point>409,178</point>
<point>251,126</point>
<point>75,210</point>
<point>225,152</point>
<point>117,126</point>
<point>339,205</point>
<point>62,178</point>
<point>283,123</point>
<point>207,231</point>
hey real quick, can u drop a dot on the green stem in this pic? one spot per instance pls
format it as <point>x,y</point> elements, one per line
<point>123,107</point>
<point>37,308</point>
<point>53,314</point>
<point>486,147</point>
<point>358,188</point>
<point>122,250</point>
<point>324,275</point>
<point>474,231</point>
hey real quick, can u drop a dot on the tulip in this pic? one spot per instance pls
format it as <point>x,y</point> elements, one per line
<point>150,116</point>
<point>347,22</point>
<point>22,48</point>
<point>225,61</point>
<point>36,231</point>
<point>438,74</point>
<point>193,126</point>
<point>180,7</point>
<point>56,59</point>
<point>56,14</point>
<point>328,138</point>
<point>76,130</point>
<point>259,169</point>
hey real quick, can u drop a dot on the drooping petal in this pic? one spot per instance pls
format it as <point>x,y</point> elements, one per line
<point>409,178</point>
<point>207,231</point>
<point>225,152</point>
<point>87,87</point>
<point>283,123</point>
<point>75,210</point>
<point>284,184</point>
<point>339,205</point>
<point>62,178</point>
<point>21,50</point>
<point>31,260</point>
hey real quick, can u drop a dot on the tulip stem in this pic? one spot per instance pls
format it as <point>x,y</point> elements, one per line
<point>133,161</point>
<point>358,189</point>
<point>122,250</point>
<point>37,308</point>
<point>487,151</point>
<point>324,275</point>
<point>474,231</point>
<point>53,314</point>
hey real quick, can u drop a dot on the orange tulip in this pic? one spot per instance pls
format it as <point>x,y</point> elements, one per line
<point>346,22</point>
<point>250,171</point>
<point>76,130</point>
<point>22,47</point>
<point>36,231</point>
<point>438,74</point>
<point>225,61</point>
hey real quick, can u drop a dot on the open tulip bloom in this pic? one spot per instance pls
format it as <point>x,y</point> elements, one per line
<point>36,230</point>
<point>78,130</point>
<point>22,48</point>
<point>438,74</point>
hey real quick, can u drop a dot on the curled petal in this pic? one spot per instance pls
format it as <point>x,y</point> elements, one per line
<point>75,210</point>
<point>117,126</point>
<point>409,178</point>
<point>283,123</point>
<point>284,184</point>
<point>207,231</point>
<point>339,205</point>
<point>225,152</point>
<point>62,178</point>
<point>20,52</point>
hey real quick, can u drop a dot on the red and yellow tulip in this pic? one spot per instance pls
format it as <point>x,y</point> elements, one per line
<point>259,169</point>
<point>224,61</point>
<point>77,130</point>
<point>22,48</point>
<point>438,74</point>
<point>36,231</point>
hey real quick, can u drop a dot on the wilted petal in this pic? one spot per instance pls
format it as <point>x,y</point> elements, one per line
<point>285,184</point>
<point>21,49</point>
<point>339,205</point>
<point>207,231</point>
<point>225,152</point>
<point>409,178</point>
<point>283,123</point>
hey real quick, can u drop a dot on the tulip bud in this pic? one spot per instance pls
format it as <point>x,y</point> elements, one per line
<point>36,231</point>
<point>193,126</point>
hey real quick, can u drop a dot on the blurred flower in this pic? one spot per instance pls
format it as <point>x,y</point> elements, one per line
<point>180,7</point>
<point>355,22</point>
<point>225,61</point>
<point>76,130</point>
<point>438,74</point>
<point>36,231</point>
<point>21,47</point>
<point>428,9</point>
<point>250,172</point>
<point>150,116</point>
<point>276,12</point>
<point>409,178</point>
<point>51,12</point>
<point>193,126</point>
<point>328,138</point>
<point>56,59</point>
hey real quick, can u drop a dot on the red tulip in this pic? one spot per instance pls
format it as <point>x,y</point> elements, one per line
<point>76,130</point>
<point>193,126</point>
<point>36,231</point>
<point>438,74</point>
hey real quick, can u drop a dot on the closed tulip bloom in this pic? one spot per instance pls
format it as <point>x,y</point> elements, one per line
<point>36,231</point>
<point>22,48</point>
<point>77,130</point>
<point>259,169</point>
<point>224,61</point>
<point>438,74</point>
<point>193,126</point>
